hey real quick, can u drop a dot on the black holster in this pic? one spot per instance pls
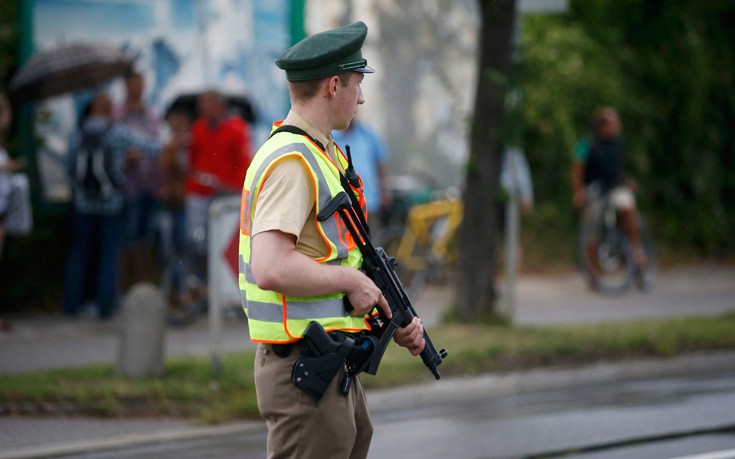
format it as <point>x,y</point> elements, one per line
<point>324,355</point>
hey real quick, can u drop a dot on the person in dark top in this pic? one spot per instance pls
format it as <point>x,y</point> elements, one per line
<point>98,152</point>
<point>598,170</point>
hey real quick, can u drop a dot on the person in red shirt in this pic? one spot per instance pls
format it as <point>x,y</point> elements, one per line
<point>219,155</point>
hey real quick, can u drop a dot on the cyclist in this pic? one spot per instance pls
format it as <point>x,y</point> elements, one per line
<point>598,170</point>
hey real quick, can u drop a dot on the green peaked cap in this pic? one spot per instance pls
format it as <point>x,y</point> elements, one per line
<point>326,53</point>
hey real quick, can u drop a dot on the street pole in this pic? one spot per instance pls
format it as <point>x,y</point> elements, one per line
<point>512,220</point>
<point>512,228</point>
<point>203,19</point>
<point>296,20</point>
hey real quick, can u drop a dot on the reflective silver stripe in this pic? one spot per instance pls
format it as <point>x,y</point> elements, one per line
<point>244,268</point>
<point>325,194</point>
<point>307,154</point>
<point>247,269</point>
<point>330,226</point>
<point>331,231</point>
<point>269,312</point>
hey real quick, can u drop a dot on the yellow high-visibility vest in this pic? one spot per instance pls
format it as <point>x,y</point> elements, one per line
<point>274,317</point>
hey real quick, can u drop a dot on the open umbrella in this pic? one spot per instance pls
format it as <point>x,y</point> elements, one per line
<point>66,69</point>
<point>239,105</point>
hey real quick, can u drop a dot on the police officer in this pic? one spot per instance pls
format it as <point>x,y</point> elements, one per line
<point>296,268</point>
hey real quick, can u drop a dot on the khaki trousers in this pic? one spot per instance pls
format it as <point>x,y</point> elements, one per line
<point>336,427</point>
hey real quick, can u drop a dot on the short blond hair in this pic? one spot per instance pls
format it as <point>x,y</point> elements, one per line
<point>305,90</point>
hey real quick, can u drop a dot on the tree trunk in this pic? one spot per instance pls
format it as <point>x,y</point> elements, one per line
<point>477,268</point>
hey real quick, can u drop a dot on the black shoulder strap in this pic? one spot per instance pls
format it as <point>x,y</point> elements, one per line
<point>345,183</point>
<point>355,204</point>
<point>298,131</point>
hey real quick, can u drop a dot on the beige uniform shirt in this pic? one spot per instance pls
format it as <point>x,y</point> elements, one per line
<point>287,201</point>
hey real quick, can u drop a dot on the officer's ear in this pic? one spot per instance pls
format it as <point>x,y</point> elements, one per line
<point>332,83</point>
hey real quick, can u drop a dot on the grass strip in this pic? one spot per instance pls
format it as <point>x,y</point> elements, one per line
<point>190,390</point>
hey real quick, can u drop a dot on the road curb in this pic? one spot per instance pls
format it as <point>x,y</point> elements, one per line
<point>495,384</point>
<point>455,389</point>
<point>129,440</point>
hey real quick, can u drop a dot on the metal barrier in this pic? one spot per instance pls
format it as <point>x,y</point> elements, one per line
<point>222,260</point>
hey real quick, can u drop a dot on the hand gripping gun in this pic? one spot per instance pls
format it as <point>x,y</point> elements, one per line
<point>381,269</point>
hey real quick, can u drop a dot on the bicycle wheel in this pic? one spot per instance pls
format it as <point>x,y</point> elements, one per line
<point>606,259</point>
<point>184,289</point>
<point>645,276</point>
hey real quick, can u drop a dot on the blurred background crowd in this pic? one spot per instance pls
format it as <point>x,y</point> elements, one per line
<point>201,70</point>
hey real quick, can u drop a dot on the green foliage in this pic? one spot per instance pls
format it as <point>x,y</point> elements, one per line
<point>188,389</point>
<point>8,40</point>
<point>668,66</point>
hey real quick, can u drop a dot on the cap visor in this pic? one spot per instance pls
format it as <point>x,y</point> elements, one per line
<point>366,69</point>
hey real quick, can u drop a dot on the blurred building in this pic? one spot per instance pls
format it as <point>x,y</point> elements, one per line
<point>181,46</point>
<point>420,98</point>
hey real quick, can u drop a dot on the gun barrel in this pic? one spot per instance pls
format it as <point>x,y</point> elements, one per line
<point>381,269</point>
<point>431,358</point>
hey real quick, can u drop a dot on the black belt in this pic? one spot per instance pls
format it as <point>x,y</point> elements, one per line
<point>284,350</point>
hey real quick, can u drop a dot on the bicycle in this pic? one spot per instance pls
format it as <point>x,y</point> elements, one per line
<point>422,238</point>
<point>605,254</point>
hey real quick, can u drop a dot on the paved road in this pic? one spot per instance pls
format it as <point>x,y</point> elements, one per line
<point>603,411</point>
<point>53,342</point>
<point>621,419</point>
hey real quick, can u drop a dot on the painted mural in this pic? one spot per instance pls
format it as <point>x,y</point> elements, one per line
<point>181,46</point>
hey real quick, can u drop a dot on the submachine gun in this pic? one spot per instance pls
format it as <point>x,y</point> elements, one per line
<point>381,269</point>
<point>363,353</point>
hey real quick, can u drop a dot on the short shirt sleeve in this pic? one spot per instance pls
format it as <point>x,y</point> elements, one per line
<point>582,150</point>
<point>286,199</point>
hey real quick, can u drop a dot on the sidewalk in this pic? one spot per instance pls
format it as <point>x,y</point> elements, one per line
<point>58,342</point>
<point>55,342</point>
